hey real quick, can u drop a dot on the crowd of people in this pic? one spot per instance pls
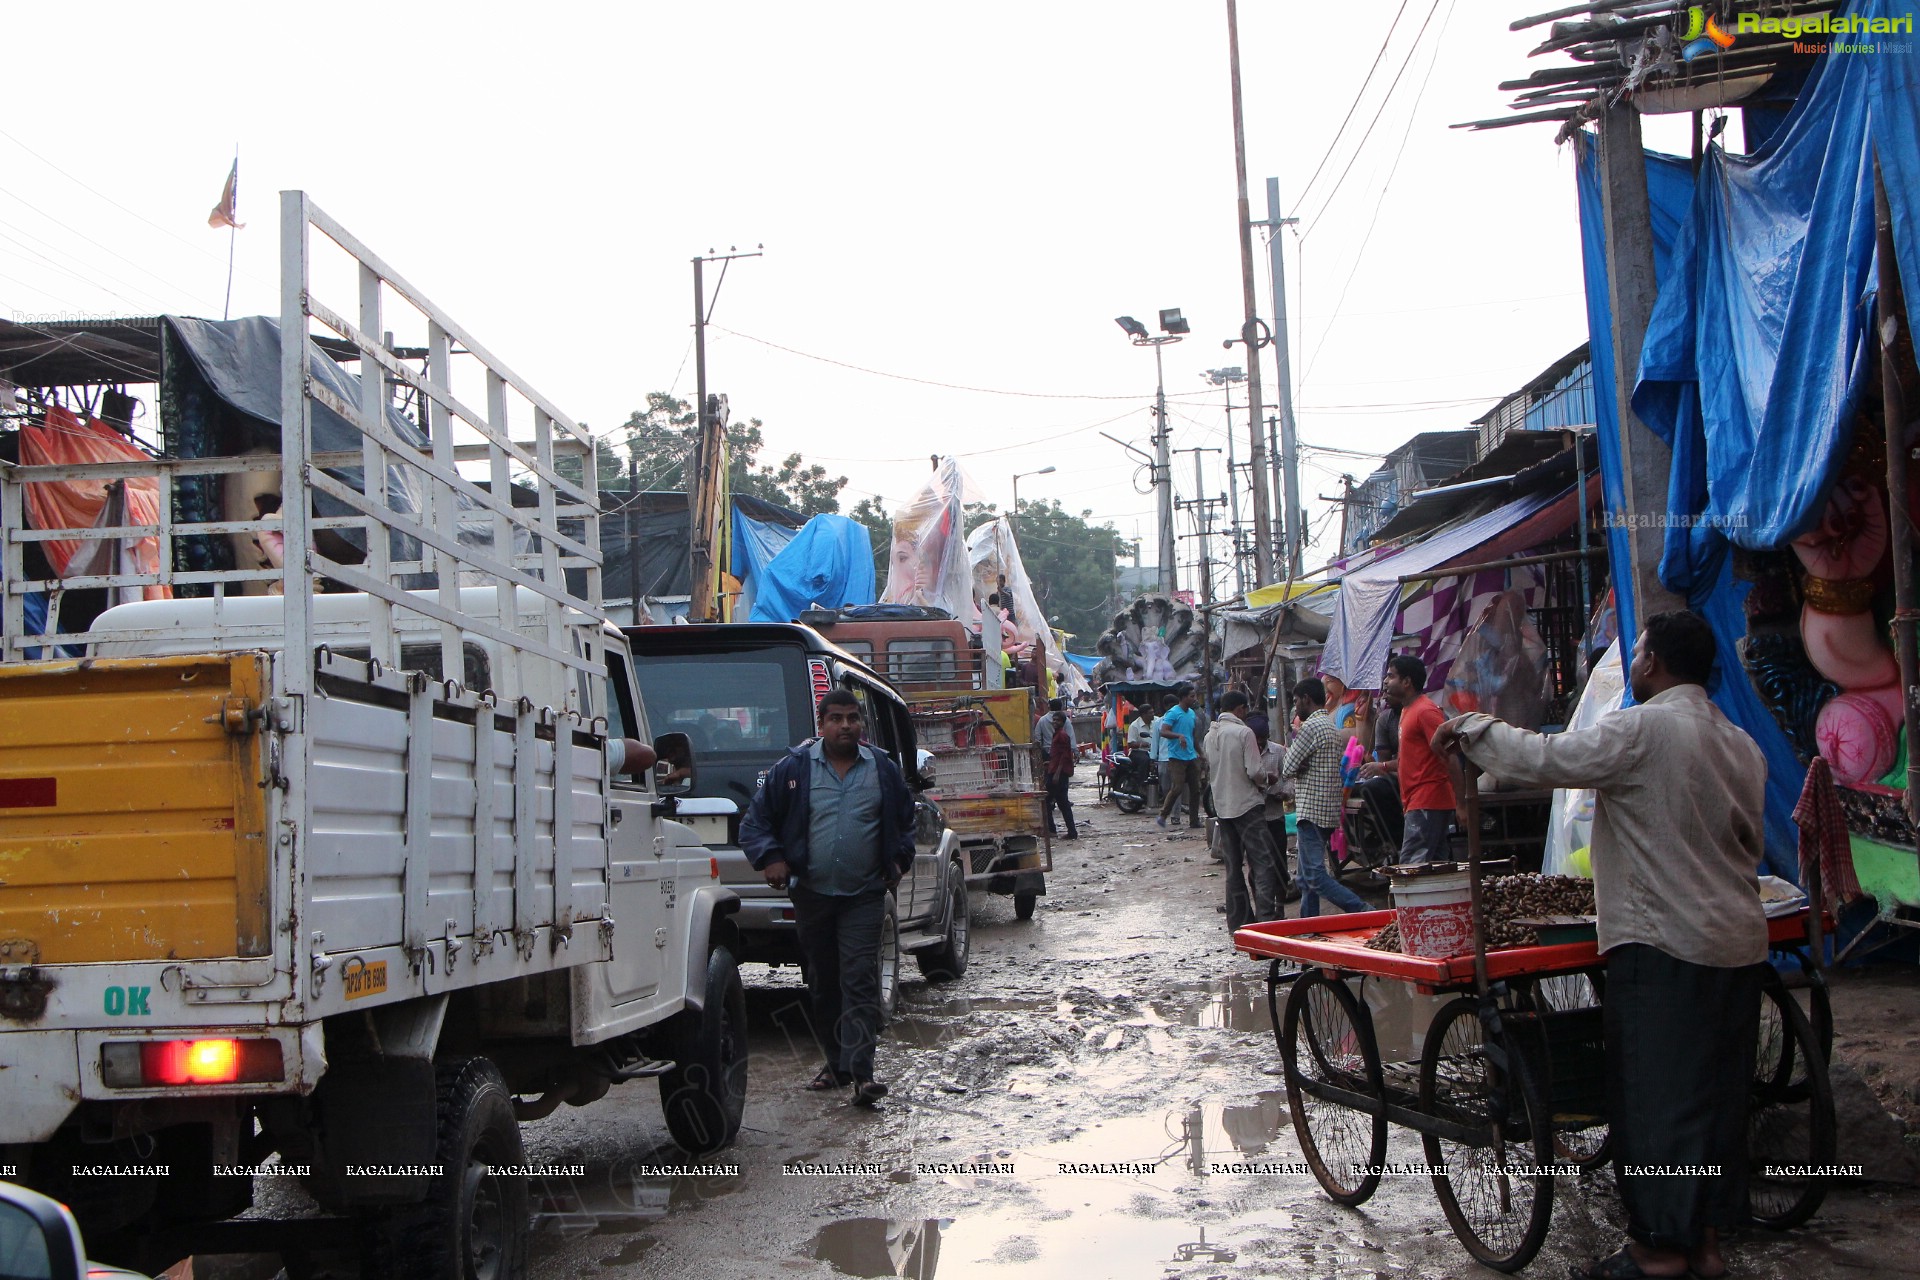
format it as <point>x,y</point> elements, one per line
<point>1337,752</point>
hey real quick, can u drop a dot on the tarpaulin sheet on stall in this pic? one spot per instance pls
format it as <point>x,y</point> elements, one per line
<point>1718,598</point>
<point>760,531</point>
<point>827,564</point>
<point>1756,354</point>
<point>1370,599</point>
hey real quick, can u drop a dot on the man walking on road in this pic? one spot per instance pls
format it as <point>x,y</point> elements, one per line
<point>1183,761</point>
<point>1677,835</point>
<point>832,823</point>
<point>1059,771</point>
<point>1432,790</point>
<point>1240,802</point>
<point>1319,803</point>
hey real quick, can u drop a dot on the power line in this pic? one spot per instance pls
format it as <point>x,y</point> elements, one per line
<point>1353,106</point>
<point>1362,145</point>
<point>1380,203</point>
<point>197,248</point>
<point>929,382</point>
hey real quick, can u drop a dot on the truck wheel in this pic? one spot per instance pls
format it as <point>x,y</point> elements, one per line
<point>889,961</point>
<point>705,1094</point>
<point>1023,904</point>
<point>473,1223</point>
<point>948,961</point>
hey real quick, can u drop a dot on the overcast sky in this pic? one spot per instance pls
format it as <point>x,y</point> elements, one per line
<point>947,194</point>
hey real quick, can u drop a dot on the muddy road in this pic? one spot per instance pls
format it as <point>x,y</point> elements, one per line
<point>1116,1030</point>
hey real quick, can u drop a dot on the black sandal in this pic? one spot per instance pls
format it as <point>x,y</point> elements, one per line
<point>828,1078</point>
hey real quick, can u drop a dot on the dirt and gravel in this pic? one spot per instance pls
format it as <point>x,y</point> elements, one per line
<point>1099,1096</point>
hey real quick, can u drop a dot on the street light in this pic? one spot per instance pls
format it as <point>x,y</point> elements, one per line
<point>1044,471</point>
<point>1176,327</point>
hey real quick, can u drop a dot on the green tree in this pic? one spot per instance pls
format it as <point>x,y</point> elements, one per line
<point>658,442</point>
<point>879,523</point>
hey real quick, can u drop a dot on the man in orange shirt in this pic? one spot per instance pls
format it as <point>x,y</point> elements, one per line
<point>1431,788</point>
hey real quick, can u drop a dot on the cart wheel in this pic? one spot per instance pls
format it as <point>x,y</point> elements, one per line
<point>1500,1216</point>
<point>1776,1046</point>
<point>1587,1147</point>
<point>1790,1124</point>
<point>1326,1042</point>
<point>1024,903</point>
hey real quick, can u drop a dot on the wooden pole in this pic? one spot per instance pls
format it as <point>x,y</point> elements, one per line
<point>1645,458</point>
<point>1892,313</point>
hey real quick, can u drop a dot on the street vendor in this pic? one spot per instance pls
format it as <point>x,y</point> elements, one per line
<point>1677,837</point>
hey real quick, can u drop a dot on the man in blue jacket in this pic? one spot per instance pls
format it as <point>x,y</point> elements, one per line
<point>832,824</point>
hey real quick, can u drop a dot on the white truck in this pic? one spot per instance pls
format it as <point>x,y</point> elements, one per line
<point>338,876</point>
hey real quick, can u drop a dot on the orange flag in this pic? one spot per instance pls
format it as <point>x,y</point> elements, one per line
<point>224,213</point>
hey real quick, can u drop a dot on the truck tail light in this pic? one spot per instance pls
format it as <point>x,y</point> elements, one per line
<point>135,1064</point>
<point>818,677</point>
<point>713,868</point>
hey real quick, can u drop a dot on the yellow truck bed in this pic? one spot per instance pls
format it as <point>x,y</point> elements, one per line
<point>132,809</point>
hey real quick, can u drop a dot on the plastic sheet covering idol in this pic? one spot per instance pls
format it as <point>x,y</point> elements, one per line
<point>994,557</point>
<point>829,563</point>
<point>927,564</point>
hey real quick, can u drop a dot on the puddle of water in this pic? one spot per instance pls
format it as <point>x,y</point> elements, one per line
<point>1229,1004</point>
<point>1115,1199</point>
<point>882,1246</point>
<point>619,1199</point>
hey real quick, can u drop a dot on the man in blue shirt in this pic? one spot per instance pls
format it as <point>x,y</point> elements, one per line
<point>1183,761</point>
<point>833,825</point>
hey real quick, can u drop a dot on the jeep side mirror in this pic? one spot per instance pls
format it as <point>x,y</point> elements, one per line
<point>673,771</point>
<point>923,775</point>
<point>39,1239</point>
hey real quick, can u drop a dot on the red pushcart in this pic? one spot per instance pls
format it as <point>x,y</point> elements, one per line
<point>1510,1087</point>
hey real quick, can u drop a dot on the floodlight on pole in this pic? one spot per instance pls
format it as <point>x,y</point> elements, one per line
<point>1134,329</point>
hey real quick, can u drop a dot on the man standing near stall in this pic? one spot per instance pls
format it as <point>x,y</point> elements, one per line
<point>1678,832</point>
<point>1239,778</point>
<point>1180,728</point>
<point>1432,789</point>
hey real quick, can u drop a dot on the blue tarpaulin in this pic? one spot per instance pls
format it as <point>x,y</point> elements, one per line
<point>1756,350</point>
<point>1085,663</point>
<point>829,563</point>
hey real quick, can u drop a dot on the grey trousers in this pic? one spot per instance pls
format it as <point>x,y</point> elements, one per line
<point>1247,843</point>
<point>840,938</point>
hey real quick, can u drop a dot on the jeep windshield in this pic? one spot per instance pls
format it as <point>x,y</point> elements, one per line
<point>741,709</point>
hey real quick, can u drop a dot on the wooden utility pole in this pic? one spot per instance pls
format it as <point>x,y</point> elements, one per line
<point>1645,459</point>
<point>706,479</point>
<point>1250,330</point>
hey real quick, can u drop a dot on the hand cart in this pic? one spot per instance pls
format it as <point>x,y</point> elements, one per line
<point>987,788</point>
<point>1510,1087</point>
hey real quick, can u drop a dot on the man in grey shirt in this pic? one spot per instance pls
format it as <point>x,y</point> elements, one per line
<point>1678,834</point>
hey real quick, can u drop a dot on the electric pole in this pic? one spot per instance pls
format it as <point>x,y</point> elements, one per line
<point>1250,330</point>
<point>1286,474</point>
<point>706,477</point>
<point>1204,522</point>
<point>1225,378</point>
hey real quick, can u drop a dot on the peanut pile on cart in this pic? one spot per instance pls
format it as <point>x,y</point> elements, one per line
<point>1507,901</point>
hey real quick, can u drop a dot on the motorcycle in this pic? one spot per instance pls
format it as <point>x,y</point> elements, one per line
<point>1131,781</point>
